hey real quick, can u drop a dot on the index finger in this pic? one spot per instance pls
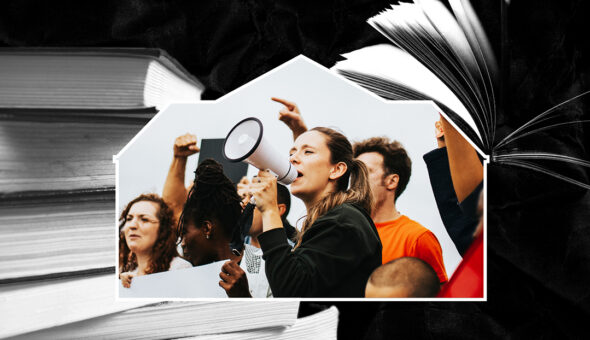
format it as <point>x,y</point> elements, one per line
<point>288,104</point>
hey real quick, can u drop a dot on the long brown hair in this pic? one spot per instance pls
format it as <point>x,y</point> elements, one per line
<point>163,251</point>
<point>359,191</point>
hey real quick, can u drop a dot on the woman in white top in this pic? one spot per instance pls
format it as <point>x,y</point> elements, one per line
<point>147,242</point>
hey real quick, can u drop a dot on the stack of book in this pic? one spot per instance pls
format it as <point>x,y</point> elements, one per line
<point>106,78</point>
<point>64,113</point>
<point>87,309</point>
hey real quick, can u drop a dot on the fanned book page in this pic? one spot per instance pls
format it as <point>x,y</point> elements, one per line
<point>394,74</point>
<point>443,54</point>
<point>440,56</point>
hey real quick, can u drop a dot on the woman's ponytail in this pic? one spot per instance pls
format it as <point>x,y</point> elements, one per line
<point>352,187</point>
<point>359,191</point>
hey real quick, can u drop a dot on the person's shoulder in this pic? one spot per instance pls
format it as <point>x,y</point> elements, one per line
<point>346,215</point>
<point>179,263</point>
<point>419,233</point>
<point>437,154</point>
<point>346,212</point>
<point>344,222</point>
<point>413,227</point>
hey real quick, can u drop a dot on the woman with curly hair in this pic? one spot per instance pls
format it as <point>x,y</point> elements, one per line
<point>211,230</point>
<point>147,241</point>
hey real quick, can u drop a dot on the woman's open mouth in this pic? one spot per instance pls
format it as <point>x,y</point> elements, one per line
<point>299,174</point>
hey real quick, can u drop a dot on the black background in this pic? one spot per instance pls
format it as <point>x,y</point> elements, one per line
<point>538,227</point>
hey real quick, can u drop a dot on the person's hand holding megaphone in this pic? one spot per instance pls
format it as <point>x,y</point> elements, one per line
<point>264,191</point>
<point>244,191</point>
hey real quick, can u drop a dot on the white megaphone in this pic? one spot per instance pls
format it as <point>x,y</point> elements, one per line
<point>245,142</point>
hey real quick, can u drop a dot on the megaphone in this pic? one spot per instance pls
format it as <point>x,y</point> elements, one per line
<point>245,142</point>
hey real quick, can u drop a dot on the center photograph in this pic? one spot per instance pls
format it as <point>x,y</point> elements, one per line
<point>300,184</point>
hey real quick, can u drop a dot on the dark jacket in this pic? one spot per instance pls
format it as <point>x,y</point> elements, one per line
<point>337,255</point>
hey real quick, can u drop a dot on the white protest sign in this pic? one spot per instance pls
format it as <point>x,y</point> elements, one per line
<point>196,282</point>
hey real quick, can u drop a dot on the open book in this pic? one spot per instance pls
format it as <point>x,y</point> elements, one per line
<point>444,55</point>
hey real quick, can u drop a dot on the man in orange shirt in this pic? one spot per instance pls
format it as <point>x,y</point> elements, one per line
<point>389,173</point>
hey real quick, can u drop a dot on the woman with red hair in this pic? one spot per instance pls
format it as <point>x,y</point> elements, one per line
<point>147,239</point>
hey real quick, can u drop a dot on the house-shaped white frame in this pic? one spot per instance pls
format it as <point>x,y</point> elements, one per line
<point>325,99</point>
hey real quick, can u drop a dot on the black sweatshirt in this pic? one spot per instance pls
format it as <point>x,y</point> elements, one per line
<point>337,255</point>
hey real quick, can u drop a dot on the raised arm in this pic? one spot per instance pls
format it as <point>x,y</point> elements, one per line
<point>291,116</point>
<point>459,225</point>
<point>174,192</point>
<point>466,168</point>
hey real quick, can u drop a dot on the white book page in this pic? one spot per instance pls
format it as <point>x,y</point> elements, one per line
<point>322,325</point>
<point>44,304</point>
<point>449,29</point>
<point>473,29</point>
<point>389,62</point>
